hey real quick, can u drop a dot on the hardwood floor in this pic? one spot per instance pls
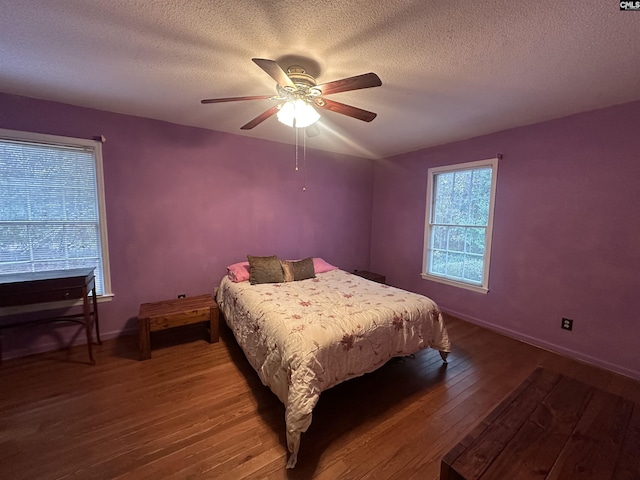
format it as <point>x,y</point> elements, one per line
<point>197,410</point>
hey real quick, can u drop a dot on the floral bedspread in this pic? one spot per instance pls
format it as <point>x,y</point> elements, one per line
<point>306,336</point>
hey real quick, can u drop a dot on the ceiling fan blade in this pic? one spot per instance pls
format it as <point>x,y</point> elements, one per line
<point>347,110</point>
<point>366,80</point>
<point>260,118</point>
<point>275,71</point>
<point>312,130</point>
<point>236,99</point>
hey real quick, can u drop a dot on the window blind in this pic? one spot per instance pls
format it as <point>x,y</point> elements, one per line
<point>49,215</point>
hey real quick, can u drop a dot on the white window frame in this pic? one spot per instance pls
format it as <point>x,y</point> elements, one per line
<point>96,146</point>
<point>483,287</point>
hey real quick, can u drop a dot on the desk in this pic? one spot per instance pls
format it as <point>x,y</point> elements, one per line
<point>551,427</point>
<point>53,286</point>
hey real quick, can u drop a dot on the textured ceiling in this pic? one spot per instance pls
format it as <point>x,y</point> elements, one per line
<point>450,69</point>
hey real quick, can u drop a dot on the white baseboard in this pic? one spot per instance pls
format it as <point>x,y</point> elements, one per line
<point>598,362</point>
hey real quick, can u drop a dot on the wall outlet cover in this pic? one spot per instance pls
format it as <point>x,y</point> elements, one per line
<point>567,324</point>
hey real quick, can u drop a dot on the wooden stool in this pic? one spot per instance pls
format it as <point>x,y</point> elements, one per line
<point>174,313</point>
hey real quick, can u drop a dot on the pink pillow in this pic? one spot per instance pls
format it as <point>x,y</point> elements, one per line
<point>239,272</point>
<point>320,266</point>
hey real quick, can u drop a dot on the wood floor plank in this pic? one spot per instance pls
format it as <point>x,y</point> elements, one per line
<point>628,467</point>
<point>198,410</point>
<point>361,448</point>
<point>384,456</point>
<point>434,438</point>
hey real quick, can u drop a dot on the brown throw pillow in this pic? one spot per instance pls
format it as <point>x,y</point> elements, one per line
<point>287,270</point>
<point>302,269</point>
<point>265,270</point>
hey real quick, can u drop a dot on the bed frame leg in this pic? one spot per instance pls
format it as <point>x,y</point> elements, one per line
<point>444,356</point>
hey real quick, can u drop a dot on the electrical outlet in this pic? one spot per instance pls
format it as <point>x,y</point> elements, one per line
<point>182,295</point>
<point>567,324</point>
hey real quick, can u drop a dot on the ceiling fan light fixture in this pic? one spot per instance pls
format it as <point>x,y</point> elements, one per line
<point>297,113</point>
<point>300,93</point>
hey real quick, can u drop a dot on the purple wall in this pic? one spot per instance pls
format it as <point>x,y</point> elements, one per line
<point>566,233</point>
<point>183,203</point>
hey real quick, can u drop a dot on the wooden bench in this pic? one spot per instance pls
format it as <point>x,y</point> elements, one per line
<point>174,313</point>
<point>551,427</point>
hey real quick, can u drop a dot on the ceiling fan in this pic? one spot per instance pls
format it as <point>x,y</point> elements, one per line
<point>298,93</point>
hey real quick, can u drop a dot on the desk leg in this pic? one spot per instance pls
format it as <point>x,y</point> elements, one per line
<point>95,316</point>
<point>88,325</point>
<point>144,340</point>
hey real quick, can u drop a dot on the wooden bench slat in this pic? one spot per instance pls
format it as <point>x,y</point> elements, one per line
<point>491,442</point>
<point>532,452</point>
<point>551,427</point>
<point>594,447</point>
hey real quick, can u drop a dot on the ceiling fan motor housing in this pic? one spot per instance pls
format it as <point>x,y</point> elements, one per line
<point>305,86</point>
<point>299,76</point>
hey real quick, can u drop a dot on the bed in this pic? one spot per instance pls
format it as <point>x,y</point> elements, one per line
<point>303,337</point>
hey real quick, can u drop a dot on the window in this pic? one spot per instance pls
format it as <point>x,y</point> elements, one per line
<point>459,218</point>
<point>52,213</point>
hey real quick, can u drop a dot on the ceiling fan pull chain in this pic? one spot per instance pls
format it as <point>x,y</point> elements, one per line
<point>296,148</point>
<point>304,162</point>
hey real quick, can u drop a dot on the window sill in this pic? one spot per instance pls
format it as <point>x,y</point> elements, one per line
<point>36,307</point>
<point>453,283</point>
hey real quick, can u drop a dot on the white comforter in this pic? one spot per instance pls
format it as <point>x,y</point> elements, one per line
<point>304,337</point>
